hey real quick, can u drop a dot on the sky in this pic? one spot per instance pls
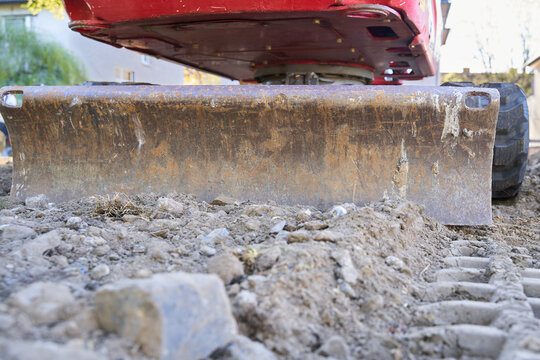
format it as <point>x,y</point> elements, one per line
<point>494,26</point>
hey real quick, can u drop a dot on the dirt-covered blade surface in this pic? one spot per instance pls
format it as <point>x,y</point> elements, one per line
<point>295,145</point>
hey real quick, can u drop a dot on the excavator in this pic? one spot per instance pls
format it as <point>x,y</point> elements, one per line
<point>320,117</point>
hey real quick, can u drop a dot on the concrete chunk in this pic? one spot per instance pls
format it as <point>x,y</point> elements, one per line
<point>171,316</point>
<point>44,302</point>
<point>26,350</point>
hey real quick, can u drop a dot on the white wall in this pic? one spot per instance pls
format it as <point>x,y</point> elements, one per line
<point>101,59</point>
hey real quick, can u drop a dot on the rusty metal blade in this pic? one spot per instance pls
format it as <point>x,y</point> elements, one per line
<point>296,145</point>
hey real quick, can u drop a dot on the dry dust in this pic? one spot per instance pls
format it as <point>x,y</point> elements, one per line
<point>354,272</point>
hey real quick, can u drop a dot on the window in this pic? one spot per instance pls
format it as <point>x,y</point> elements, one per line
<point>124,75</point>
<point>17,22</point>
<point>145,59</point>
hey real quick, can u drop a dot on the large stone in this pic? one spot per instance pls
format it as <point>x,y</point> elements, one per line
<point>26,350</point>
<point>17,232</point>
<point>44,302</point>
<point>171,316</point>
<point>33,250</point>
<point>226,266</point>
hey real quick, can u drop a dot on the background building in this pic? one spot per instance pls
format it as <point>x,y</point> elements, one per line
<point>534,105</point>
<point>102,62</point>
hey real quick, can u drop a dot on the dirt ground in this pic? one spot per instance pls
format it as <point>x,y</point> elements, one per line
<point>342,283</point>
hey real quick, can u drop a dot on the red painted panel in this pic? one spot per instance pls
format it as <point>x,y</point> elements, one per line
<point>233,37</point>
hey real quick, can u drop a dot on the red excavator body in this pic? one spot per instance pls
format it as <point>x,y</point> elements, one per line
<point>392,39</point>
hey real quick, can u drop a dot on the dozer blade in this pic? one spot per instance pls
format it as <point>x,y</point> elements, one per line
<point>310,145</point>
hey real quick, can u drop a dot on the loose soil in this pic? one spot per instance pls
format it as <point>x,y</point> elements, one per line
<point>353,272</point>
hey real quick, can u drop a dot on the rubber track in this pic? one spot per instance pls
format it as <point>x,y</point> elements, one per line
<point>485,304</point>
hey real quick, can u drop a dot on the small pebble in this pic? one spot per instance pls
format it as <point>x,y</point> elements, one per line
<point>143,273</point>
<point>99,272</point>
<point>278,227</point>
<point>298,236</point>
<point>338,210</point>
<point>208,251</point>
<point>75,223</point>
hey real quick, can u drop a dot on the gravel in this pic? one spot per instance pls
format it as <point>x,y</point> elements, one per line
<point>296,282</point>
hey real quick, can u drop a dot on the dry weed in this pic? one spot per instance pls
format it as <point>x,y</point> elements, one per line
<point>116,206</point>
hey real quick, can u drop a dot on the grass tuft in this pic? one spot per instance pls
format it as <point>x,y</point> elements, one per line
<point>117,206</point>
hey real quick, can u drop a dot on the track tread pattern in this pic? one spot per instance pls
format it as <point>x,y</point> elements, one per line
<point>481,305</point>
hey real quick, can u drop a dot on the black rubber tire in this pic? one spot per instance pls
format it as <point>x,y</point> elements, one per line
<point>511,141</point>
<point>511,147</point>
<point>459,84</point>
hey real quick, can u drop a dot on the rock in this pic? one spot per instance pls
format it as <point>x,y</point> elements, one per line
<point>347,270</point>
<point>158,251</point>
<point>396,264</point>
<point>59,260</point>
<point>303,215</point>
<point>245,303</point>
<point>130,218</point>
<point>17,232</point>
<point>95,241</point>
<point>315,225</point>
<point>44,302</point>
<point>102,250</point>
<point>99,272</point>
<point>65,329</point>
<point>216,235</point>
<point>143,273</point>
<point>253,280</point>
<point>347,290</point>
<point>282,236</point>
<point>26,350</point>
<point>335,347</point>
<point>278,227</point>
<point>170,205</point>
<point>34,249</point>
<point>86,319</point>
<point>222,200</point>
<point>242,348</point>
<point>268,258</point>
<point>75,223</point>
<point>328,235</point>
<point>253,225</point>
<point>337,211</point>
<point>207,251</point>
<point>171,316</point>
<point>37,202</point>
<point>226,266</point>
<point>298,236</point>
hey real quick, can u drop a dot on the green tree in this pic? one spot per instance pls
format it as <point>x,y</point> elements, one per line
<point>26,59</point>
<point>54,6</point>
